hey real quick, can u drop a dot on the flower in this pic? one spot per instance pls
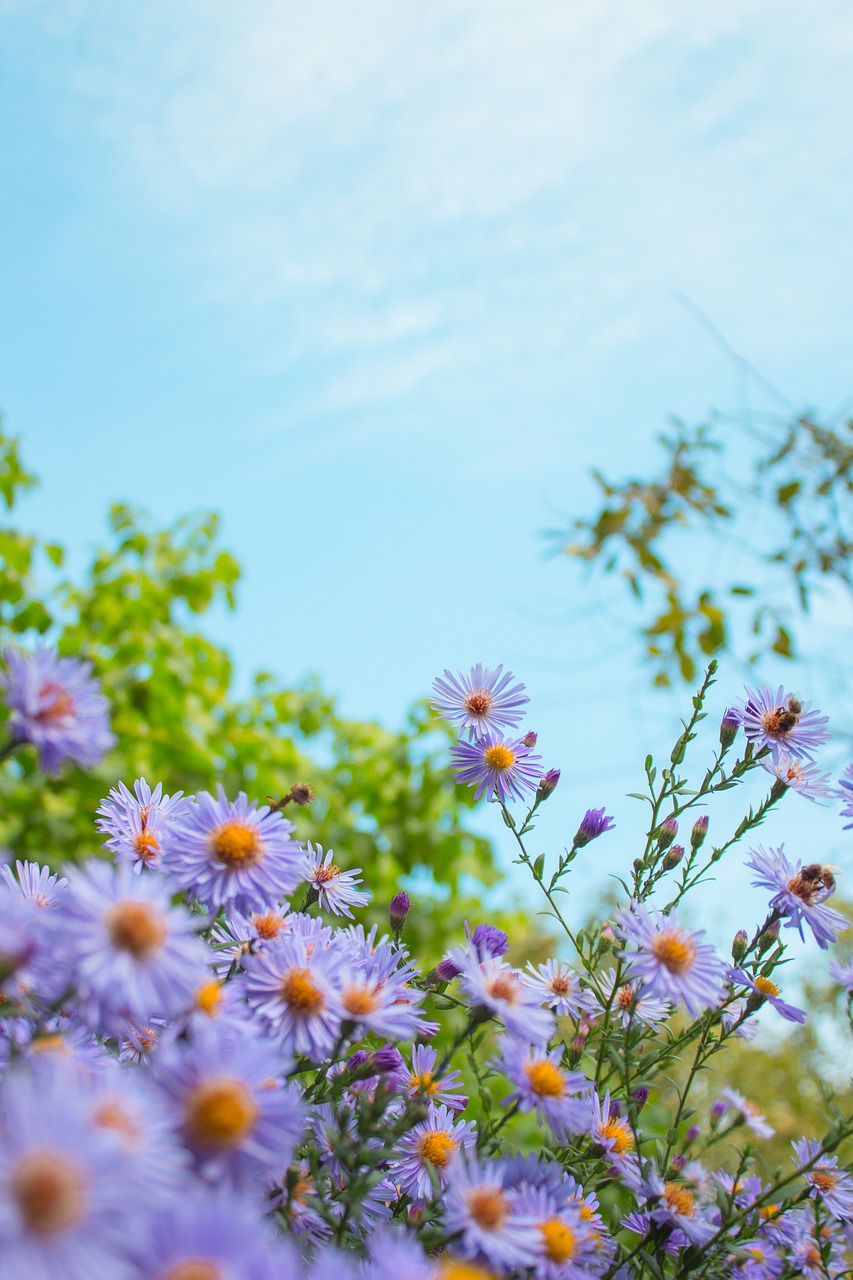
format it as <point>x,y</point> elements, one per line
<point>763,989</point>
<point>398,910</point>
<point>541,1084</point>
<point>494,987</point>
<point>845,793</point>
<point>495,764</point>
<point>610,1130</point>
<point>559,987</point>
<point>480,702</point>
<point>130,953</point>
<point>234,1112</point>
<point>427,1149</point>
<point>566,1243</point>
<point>134,822</point>
<point>798,775</point>
<point>842,974</point>
<point>208,1234</point>
<point>421,1081</point>
<point>482,1210</point>
<point>828,1183</point>
<point>632,1002</point>
<point>232,853</point>
<point>376,994</point>
<point>673,1204</point>
<point>669,961</point>
<point>593,824</point>
<point>296,992</point>
<point>782,723</point>
<point>748,1112</point>
<point>332,888</point>
<point>799,893</point>
<point>56,704</point>
<point>34,884</point>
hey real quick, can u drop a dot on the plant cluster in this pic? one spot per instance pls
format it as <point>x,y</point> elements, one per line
<point>211,1071</point>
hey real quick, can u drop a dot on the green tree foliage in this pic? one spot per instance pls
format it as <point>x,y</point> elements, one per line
<point>786,509</point>
<point>385,800</point>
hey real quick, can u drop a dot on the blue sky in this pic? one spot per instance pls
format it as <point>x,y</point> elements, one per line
<point>380,283</point>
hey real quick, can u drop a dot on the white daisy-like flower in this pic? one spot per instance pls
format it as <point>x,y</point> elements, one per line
<point>335,889</point>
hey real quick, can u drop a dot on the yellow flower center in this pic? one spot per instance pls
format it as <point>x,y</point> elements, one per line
<point>424,1083</point>
<point>236,844</point>
<point>194,1269</point>
<point>436,1146</point>
<point>300,993</point>
<point>675,950</point>
<point>488,1206</point>
<point>358,1001</point>
<point>220,1113</point>
<point>136,927</point>
<point>765,987</point>
<point>209,998</point>
<point>453,1269</point>
<point>49,1044</point>
<point>268,925</point>
<point>499,757</point>
<point>559,1239</point>
<point>545,1079</point>
<point>620,1132</point>
<point>768,1210</point>
<point>49,1191</point>
<point>146,846</point>
<point>679,1199</point>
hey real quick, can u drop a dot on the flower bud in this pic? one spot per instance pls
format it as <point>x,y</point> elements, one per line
<point>576,1049</point>
<point>548,785</point>
<point>678,1163</point>
<point>768,937</point>
<point>666,832</point>
<point>699,832</point>
<point>529,739</point>
<point>489,941</point>
<point>594,823</point>
<point>729,726</point>
<point>740,942</point>
<point>386,1060</point>
<point>398,909</point>
<point>672,857</point>
<point>446,970</point>
<point>716,1111</point>
<point>640,1097</point>
<point>692,1134</point>
<point>606,939</point>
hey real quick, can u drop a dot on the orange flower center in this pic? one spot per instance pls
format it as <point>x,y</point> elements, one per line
<point>436,1146</point>
<point>145,846</point>
<point>112,1115</point>
<point>453,1269</point>
<point>220,1113</point>
<point>679,1199</point>
<point>488,1207</point>
<point>49,1191</point>
<point>268,925</point>
<point>560,985</point>
<point>326,872</point>
<point>675,950</point>
<point>136,927</point>
<point>620,1132</point>
<point>499,757</point>
<point>504,987</point>
<point>823,1180</point>
<point>545,1079</point>
<point>57,702</point>
<point>559,1239</point>
<point>766,987</point>
<point>358,1001</point>
<point>208,998</point>
<point>479,702</point>
<point>300,993</point>
<point>624,996</point>
<point>424,1083</point>
<point>194,1269</point>
<point>236,844</point>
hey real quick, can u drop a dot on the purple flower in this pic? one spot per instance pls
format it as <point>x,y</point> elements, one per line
<point>781,722</point>
<point>845,793</point>
<point>480,1208</point>
<point>842,973</point>
<point>398,910</point>
<point>35,884</point>
<point>799,893</point>
<point>674,1205</point>
<point>376,994</point>
<point>427,1150</point>
<point>763,989</point>
<point>671,962</point>
<point>543,1086</point>
<point>56,704</point>
<point>594,823</point>
<point>212,1233</point>
<point>748,1112</point>
<point>566,1242</point>
<point>495,988</point>
<point>129,952</point>
<point>232,853</point>
<point>480,702</point>
<point>798,775</point>
<point>334,889</point>
<point>421,1081</point>
<point>487,940</point>
<point>296,992</point>
<point>828,1183</point>
<point>134,822</point>
<point>494,764</point>
<point>548,784</point>
<point>559,987</point>
<point>236,1115</point>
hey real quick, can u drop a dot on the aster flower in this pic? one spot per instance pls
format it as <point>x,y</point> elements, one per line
<point>378,995</point>
<point>671,962</point>
<point>594,823</point>
<point>129,952</point>
<point>798,775</point>
<point>842,974</point>
<point>541,1084</point>
<point>763,989</point>
<point>782,723</point>
<point>499,765</point>
<point>566,1243</point>
<point>66,1193</point>
<point>482,1210</point>
<point>845,793</point>
<point>296,992</point>
<point>559,988</point>
<point>34,884</point>
<point>609,1130</point>
<point>239,934</point>
<point>495,988</point>
<point>334,890</point>
<point>427,1149</point>
<point>799,893</point>
<point>232,854</point>
<point>748,1112</point>
<point>731,1018</point>
<point>421,1082</point>
<point>134,822</point>
<point>831,1185</point>
<point>237,1116</point>
<point>56,704</point>
<point>672,1204</point>
<point>632,1002</point>
<point>28,969</point>
<point>212,1233</point>
<point>480,702</point>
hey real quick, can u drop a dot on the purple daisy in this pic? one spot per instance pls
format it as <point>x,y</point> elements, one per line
<point>782,723</point>
<point>480,702</point>
<point>482,1211</point>
<point>34,884</point>
<point>496,988</point>
<point>566,1243</point>
<point>129,952</point>
<point>495,764</point>
<point>763,989</point>
<point>134,822</point>
<point>296,992</point>
<point>420,1080</point>
<point>426,1151</point>
<point>56,704</point>
<point>828,1183</point>
<point>542,1085</point>
<point>378,995</point>
<point>673,1204</point>
<point>559,988</point>
<point>671,962</point>
<point>334,890</point>
<point>232,853</point>
<point>799,893</point>
<point>594,823</point>
<point>236,1114</point>
<point>799,775</point>
<point>632,1002</point>
<point>842,973</point>
<point>748,1112</point>
<point>609,1130</point>
<point>212,1233</point>
<point>845,793</point>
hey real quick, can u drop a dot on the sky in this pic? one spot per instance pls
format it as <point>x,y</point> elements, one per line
<point>381,283</point>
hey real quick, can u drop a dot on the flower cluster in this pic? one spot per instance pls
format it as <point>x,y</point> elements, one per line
<point>211,1070</point>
